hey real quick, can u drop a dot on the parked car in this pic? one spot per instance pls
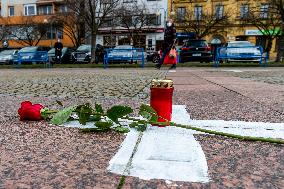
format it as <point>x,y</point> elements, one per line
<point>83,54</point>
<point>153,56</point>
<point>243,51</point>
<point>32,54</point>
<point>195,50</point>
<point>8,56</point>
<point>65,57</point>
<point>126,54</point>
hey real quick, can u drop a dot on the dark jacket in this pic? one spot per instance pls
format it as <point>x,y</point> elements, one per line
<point>169,37</point>
<point>58,48</point>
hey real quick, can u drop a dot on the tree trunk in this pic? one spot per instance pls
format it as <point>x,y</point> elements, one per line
<point>280,45</point>
<point>93,45</point>
<point>268,46</point>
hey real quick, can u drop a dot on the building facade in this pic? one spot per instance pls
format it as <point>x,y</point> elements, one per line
<point>236,29</point>
<point>149,35</point>
<point>18,15</point>
<point>150,29</point>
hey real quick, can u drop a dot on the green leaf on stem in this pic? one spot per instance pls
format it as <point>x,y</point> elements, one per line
<point>99,108</point>
<point>148,113</point>
<point>92,130</point>
<point>103,125</point>
<point>94,118</point>
<point>121,129</point>
<point>45,113</point>
<point>133,124</point>
<point>62,116</point>
<point>141,127</point>
<point>84,112</point>
<point>118,112</point>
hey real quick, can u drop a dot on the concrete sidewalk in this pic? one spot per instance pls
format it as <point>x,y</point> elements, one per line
<point>36,155</point>
<point>221,94</point>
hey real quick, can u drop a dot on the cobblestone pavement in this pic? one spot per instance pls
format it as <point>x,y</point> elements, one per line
<point>37,155</point>
<point>271,75</point>
<point>70,83</point>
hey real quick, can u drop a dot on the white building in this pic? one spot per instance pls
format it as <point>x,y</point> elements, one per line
<point>151,35</point>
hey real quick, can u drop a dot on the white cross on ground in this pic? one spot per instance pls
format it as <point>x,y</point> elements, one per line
<point>172,153</point>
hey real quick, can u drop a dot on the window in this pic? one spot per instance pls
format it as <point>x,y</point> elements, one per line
<point>244,10</point>
<point>153,19</point>
<point>107,22</point>
<point>264,11</point>
<point>150,43</point>
<point>11,10</point>
<point>45,10</point>
<point>63,8</point>
<point>30,9</point>
<point>181,13</point>
<point>219,10</point>
<point>54,31</point>
<point>197,12</point>
<point>129,1</point>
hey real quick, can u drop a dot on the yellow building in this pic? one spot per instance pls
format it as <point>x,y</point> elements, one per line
<point>15,14</point>
<point>236,29</point>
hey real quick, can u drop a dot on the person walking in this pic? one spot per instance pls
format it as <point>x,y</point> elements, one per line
<point>58,51</point>
<point>168,44</point>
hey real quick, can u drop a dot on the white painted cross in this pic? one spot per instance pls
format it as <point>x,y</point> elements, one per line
<point>172,153</point>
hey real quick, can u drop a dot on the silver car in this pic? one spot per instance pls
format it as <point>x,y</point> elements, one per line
<point>8,56</point>
<point>242,51</point>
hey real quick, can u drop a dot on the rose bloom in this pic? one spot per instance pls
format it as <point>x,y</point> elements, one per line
<point>29,111</point>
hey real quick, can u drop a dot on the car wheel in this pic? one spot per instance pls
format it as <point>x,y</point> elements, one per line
<point>156,59</point>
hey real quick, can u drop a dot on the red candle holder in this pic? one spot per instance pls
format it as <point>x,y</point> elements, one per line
<point>161,100</point>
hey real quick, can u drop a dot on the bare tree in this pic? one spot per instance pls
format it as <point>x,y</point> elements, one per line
<point>202,24</point>
<point>93,12</point>
<point>279,10</point>
<point>134,18</point>
<point>29,32</point>
<point>267,21</point>
<point>73,24</point>
<point>4,29</point>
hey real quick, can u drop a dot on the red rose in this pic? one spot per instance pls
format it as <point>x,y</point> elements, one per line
<point>31,112</point>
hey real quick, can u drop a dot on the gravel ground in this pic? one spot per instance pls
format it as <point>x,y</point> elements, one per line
<point>35,155</point>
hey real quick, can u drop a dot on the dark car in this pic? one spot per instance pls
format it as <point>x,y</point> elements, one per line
<point>153,56</point>
<point>65,57</point>
<point>195,50</point>
<point>83,54</point>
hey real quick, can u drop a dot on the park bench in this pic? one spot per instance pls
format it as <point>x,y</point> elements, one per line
<point>240,54</point>
<point>130,55</point>
<point>33,57</point>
